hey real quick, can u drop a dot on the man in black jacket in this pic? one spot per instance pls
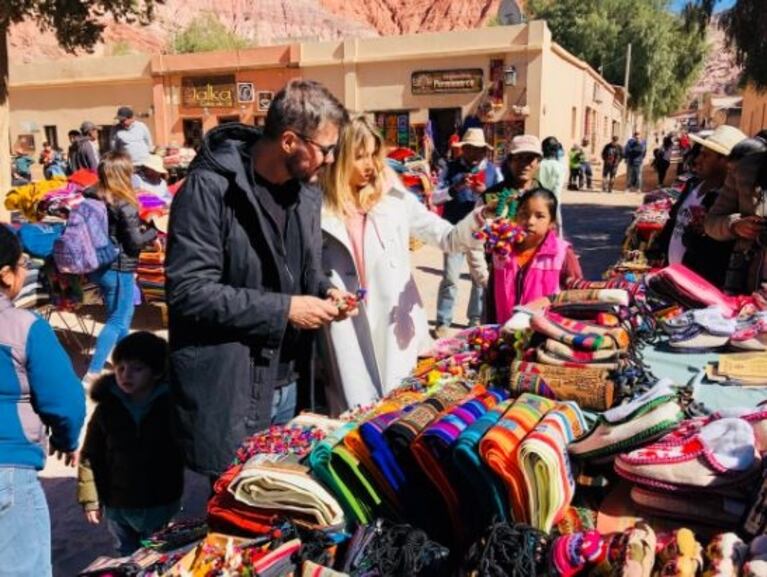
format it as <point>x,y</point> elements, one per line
<point>244,275</point>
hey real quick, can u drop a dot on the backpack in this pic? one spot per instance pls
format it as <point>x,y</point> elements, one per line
<point>85,246</point>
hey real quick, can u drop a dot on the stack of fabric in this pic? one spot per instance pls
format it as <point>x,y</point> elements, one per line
<point>268,482</point>
<point>151,275</point>
<point>25,198</point>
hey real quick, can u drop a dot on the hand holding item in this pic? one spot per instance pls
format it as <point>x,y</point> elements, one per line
<point>307,312</point>
<point>346,303</point>
<point>748,227</point>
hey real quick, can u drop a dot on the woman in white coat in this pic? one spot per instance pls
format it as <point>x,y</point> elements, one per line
<point>368,218</point>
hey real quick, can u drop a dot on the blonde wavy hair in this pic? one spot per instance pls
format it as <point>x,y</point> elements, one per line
<point>340,198</point>
<point>115,172</point>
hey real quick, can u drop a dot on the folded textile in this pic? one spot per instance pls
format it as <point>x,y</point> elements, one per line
<point>545,464</point>
<point>228,515</point>
<point>483,494</point>
<point>578,334</point>
<point>500,446</point>
<point>719,457</point>
<point>680,284</point>
<point>372,432</point>
<point>584,284</point>
<point>626,426</point>
<point>355,493</point>
<point>618,297</point>
<point>547,358</point>
<point>285,489</point>
<point>568,353</point>
<point>432,448</point>
<point>591,388</point>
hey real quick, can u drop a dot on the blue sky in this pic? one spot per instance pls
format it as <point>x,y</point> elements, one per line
<point>721,4</point>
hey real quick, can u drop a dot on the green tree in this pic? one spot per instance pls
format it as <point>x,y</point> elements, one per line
<point>78,24</point>
<point>667,52</point>
<point>206,33</point>
<point>744,25</point>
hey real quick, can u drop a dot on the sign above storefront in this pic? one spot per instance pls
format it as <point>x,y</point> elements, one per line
<point>208,91</point>
<point>447,81</point>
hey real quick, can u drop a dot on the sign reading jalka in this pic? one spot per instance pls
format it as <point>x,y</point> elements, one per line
<point>208,91</point>
<point>447,81</point>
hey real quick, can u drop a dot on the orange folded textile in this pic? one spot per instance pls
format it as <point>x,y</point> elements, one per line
<point>500,447</point>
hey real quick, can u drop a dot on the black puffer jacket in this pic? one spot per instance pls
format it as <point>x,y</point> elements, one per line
<point>132,465</point>
<point>126,231</point>
<point>228,298</point>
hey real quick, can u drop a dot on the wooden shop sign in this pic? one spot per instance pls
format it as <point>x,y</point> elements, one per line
<point>208,91</point>
<point>447,81</point>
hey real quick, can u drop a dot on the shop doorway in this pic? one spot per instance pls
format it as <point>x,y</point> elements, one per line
<point>192,132</point>
<point>444,123</point>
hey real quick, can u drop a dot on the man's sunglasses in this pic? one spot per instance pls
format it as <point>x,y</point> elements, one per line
<point>326,150</point>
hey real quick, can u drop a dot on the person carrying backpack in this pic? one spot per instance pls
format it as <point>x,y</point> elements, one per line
<point>116,281</point>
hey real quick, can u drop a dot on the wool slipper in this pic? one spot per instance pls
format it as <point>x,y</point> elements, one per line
<point>714,321</point>
<point>725,556</point>
<point>646,417</point>
<point>756,566</point>
<point>697,338</point>
<point>640,551</point>
<point>679,554</point>
<point>713,510</point>
<point>720,456</point>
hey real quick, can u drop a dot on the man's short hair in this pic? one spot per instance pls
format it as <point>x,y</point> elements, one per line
<point>303,106</point>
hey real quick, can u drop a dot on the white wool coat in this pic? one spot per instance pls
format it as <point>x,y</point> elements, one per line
<point>368,355</point>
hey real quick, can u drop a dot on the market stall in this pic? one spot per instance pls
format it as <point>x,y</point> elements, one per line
<point>615,428</point>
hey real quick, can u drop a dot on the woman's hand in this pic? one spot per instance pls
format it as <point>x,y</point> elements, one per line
<point>93,517</point>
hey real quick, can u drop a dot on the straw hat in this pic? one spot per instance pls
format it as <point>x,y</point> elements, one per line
<point>721,140</point>
<point>525,143</point>
<point>475,137</point>
<point>154,162</point>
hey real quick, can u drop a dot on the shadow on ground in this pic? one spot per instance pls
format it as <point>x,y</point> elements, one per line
<point>596,233</point>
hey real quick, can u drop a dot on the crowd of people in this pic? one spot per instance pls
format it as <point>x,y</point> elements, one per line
<point>280,234</point>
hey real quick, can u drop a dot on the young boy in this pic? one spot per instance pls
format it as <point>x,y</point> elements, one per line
<point>130,466</point>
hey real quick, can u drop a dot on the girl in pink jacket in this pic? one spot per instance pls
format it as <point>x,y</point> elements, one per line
<point>540,263</point>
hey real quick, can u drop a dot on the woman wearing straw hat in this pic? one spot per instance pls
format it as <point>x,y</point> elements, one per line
<point>150,177</point>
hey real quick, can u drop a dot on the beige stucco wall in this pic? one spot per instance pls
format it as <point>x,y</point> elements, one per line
<point>64,94</point>
<point>754,115</point>
<point>568,91</point>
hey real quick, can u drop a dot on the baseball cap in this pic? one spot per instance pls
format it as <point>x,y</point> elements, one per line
<point>86,127</point>
<point>124,112</point>
<point>525,143</point>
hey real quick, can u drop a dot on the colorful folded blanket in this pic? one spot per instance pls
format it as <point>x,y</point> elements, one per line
<point>500,446</point>
<point>339,470</point>
<point>578,334</point>
<point>545,465</point>
<point>433,447</point>
<point>483,494</point>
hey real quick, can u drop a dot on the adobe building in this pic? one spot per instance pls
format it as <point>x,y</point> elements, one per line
<point>511,80</point>
<point>507,79</point>
<point>50,98</point>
